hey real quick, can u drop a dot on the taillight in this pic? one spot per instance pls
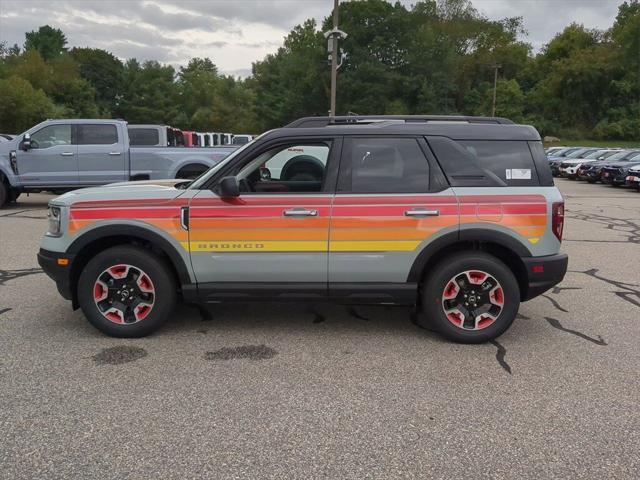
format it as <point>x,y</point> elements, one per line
<point>557,219</point>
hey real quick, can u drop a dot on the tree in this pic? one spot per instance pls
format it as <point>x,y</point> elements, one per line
<point>49,42</point>
<point>104,72</point>
<point>22,106</point>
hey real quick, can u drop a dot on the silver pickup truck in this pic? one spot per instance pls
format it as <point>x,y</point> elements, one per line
<point>61,155</point>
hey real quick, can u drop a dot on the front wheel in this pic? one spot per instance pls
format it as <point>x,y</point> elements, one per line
<point>471,297</point>
<point>126,291</point>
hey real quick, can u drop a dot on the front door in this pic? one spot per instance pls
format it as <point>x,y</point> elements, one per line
<point>52,159</point>
<point>273,237</point>
<point>101,155</point>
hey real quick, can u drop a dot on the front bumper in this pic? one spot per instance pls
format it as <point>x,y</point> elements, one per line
<point>543,273</point>
<point>61,274</point>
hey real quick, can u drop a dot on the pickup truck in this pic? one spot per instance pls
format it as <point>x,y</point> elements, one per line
<point>60,155</point>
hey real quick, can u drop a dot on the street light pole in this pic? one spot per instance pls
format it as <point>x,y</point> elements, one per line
<point>495,87</point>
<point>334,61</point>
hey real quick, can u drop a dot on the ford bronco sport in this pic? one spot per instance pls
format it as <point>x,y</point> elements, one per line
<point>456,215</point>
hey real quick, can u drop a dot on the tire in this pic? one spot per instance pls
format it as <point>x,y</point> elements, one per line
<point>148,278</point>
<point>191,172</point>
<point>467,268</point>
<point>4,193</point>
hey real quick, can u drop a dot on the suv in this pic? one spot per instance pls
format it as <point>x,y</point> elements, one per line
<point>457,215</point>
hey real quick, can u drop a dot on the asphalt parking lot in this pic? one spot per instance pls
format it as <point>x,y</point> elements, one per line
<point>317,391</point>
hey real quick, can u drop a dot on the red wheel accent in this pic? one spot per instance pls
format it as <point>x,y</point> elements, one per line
<point>124,294</point>
<point>472,300</point>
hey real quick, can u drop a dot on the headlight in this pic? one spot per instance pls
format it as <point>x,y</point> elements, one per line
<point>54,217</point>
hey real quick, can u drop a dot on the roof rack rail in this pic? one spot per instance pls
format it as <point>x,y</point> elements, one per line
<point>309,122</point>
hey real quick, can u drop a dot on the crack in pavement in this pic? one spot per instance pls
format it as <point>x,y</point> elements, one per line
<point>627,293</point>
<point>618,225</point>
<point>501,352</point>
<point>555,303</point>
<point>5,310</point>
<point>556,324</point>
<point>6,275</point>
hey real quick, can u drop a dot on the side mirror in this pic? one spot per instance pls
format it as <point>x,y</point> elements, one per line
<point>229,187</point>
<point>26,142</point>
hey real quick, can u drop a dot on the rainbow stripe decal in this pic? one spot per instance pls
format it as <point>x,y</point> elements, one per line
<point>344,223</point>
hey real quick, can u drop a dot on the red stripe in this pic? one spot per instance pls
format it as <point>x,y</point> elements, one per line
<point>502,199</point>
<point>256,212</point>
<point>388,211</point>
<point>248,200</point>
<point>150,202</point>
<point>94,214</point>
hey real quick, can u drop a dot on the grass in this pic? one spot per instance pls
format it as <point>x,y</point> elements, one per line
<point>596,143</point>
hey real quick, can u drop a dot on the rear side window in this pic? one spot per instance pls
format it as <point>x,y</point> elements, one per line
<point>383,165</point>
<point>97,134</point>
<point>144,137</point>
<point>477,163</point>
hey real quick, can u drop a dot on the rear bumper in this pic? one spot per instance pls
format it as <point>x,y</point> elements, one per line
<point>48,260</point>
<point>543,273</point>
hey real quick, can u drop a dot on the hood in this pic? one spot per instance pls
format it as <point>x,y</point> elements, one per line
<point>576,161</point>
<point>160,190</point>
<point>622,164</point>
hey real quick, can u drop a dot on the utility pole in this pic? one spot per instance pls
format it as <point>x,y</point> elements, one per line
<point>334,60</point>
<point>495,87</point>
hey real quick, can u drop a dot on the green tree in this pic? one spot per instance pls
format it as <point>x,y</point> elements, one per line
<point>22,106</point>
<point>48,41</point>
<point>104,72</point>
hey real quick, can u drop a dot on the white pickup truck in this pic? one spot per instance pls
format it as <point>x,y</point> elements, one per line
<point>62,155</point>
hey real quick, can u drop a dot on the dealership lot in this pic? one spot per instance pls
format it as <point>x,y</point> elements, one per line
<point>309,391</point>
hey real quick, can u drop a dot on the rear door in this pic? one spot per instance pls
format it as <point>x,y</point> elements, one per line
<point>388,206</point>
<point>52,159</point>
<point>101,154</point>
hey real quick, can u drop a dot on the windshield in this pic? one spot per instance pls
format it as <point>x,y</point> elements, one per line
<point>596,154</point>
<point>568,151</point>
<point>580,153</point>
<point>202,179</point>
<point>619,155</point>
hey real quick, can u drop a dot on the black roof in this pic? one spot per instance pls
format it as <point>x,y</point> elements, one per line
<point>455,127</point>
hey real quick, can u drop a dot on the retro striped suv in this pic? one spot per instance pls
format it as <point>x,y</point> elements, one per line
<point>455,215</point>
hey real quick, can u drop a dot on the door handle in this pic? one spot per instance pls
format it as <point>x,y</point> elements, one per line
<point>421,212</point>
<point>115,153</point>
<point>67,154</point>
<point>300,213</point>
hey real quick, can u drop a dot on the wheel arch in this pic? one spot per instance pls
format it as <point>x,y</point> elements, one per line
<point>101,238</point>
<point>502,246</point>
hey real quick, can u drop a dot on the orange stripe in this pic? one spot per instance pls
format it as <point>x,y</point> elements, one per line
<point>274,222</point>
<point>510,220</point>
<point>382,234</point>
<point>247,234</point>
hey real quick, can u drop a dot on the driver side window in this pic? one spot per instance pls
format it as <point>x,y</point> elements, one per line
<point>51,136</point>
<point>296,168</point>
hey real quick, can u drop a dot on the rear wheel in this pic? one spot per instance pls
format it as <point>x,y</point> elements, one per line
<point>470,297</point>
<point>126,291</point>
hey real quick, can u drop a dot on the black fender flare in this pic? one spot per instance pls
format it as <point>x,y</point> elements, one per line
<point>133,231</point>
<point>432,249</point>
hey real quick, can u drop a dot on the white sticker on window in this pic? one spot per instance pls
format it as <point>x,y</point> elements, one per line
<point>518,174</point>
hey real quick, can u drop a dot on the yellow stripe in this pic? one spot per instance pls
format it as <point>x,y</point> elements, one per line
<point>301,246</point>
<point>256,246</point>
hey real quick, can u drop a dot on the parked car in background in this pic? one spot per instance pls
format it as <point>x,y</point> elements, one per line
<point>615,173</point>
<point>569,167</point>
<point>241,139</point>
<point>633,177</point>
<point>591,171</point>
<point>61,155</point>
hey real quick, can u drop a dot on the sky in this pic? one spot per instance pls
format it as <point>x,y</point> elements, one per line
<point>236,33</point>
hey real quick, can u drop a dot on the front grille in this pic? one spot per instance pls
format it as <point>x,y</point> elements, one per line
<point>565,165</point>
